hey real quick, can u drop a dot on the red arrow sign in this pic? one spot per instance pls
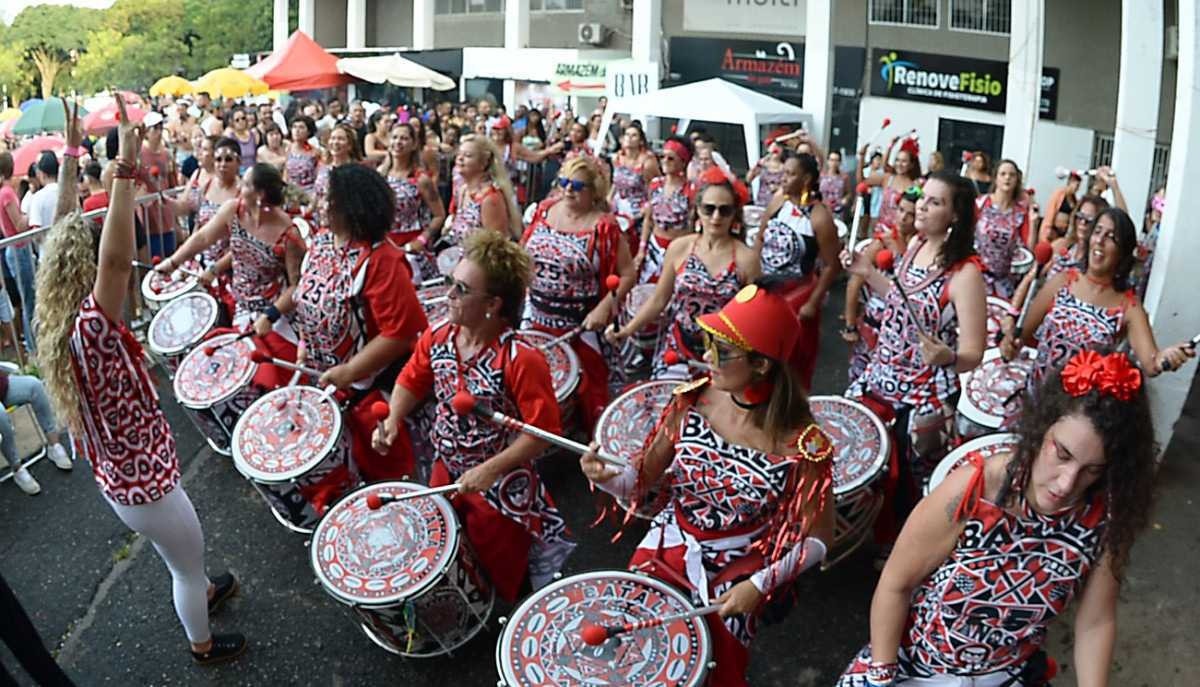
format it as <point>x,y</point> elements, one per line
<point>572,86</point>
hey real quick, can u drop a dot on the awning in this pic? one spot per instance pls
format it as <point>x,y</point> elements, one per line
<point>300,65</point>
<point>396,70</point>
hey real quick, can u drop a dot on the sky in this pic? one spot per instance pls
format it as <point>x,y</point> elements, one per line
<point>11,8</point>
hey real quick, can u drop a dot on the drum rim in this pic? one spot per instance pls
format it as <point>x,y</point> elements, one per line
<point>159,297</point>
<point>942,469</point>
<point>606,414</point>
<point>1022,255</point>
<point>437,259</point>
<point>218,340</point>
<point>572,357</point>
<point>504,641</point>
<point>158,317</point>
<point>966,407</point>
<point>449,552</point>
<point>885,444</point>
<point>252,473</point>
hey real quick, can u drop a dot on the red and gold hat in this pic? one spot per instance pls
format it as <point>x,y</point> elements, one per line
<point>755,320</point>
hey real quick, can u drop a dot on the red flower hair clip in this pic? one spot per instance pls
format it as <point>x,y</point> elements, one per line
<point>716,175</point>
<point>1111,374</point>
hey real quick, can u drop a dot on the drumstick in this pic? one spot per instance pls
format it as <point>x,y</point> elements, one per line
<point>157,260</point>
<point>435,300</point>
<point>908,304</point>
<point>463,402</point>
<point>613,282</point>
<point>559,339</point>
<point>261,358</point>
<point>376,501</point>
<point>861,192</point>
<point>595,635</point>
<point>1195,341</point>
<point>1042,254</point>
<point>887,121</point>
<point>671,358</point>
<point>432,282</point>
<point>212,349</point>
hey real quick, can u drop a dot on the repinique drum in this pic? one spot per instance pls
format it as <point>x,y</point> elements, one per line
<point>647,338</point>
<point>625,425</point>
<point>434,301</point>
<point>991,393</point>
<point>541,644</point>
<point>404,570</point>
<point>180,325</point>
<point>564,368</point>
<point>159,288</point>
<point>997,310</point>
<point>289,445</point>
<point>448,259</point>
<point>1022,261</point>
<point>863,445</point>
<point>987,446</point>
<point>751,216</point>
<point>216,389</point>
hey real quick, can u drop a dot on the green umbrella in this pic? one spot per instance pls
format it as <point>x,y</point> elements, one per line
<point>44,116</point>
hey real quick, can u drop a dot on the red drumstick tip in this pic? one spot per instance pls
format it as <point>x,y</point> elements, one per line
<point>1051,668</point>
<point>462,402</point>
<point>887,122</point>
<point>885,260</point>
<point>1042,252</point>
<point>259,356</point>
<point>374,502</point>
<point>279,250</point>
<point>611,282</point>
<point>593,635</point>
<point>380,410</point>
<point>156,259</point>
<point>862,189</point>
<point>210,350</point>
<point>671,358</point>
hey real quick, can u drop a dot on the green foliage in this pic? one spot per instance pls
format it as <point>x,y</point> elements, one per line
<point>15,73</point>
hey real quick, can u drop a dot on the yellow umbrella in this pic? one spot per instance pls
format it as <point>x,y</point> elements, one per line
<point>171,85</point>
<point>229,83</point>
<point>10,113</point>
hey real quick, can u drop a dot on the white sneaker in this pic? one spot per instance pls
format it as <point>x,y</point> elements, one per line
<point>58,456</point>
<point>26,481</point>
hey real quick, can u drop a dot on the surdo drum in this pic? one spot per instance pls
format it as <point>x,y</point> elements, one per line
<point>991,393</point>
<point>180,325</point>
<point>404,570</point>
<point>564,369</point>
<point>215,389</point>
<point>1022,261</point>
<point>986,446</point>
<point>159,288</point>
<point>863,444</point>
<point>448,259</point>
<point>289,445</point>
<point>626,424</point>
<point>647,338</point>
<point>541,644</point>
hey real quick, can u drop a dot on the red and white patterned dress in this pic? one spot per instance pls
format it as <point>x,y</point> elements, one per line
<point>125,435</point>
<point>301,170</point>
<point>998,232</point>
<point>768,183</point>
<point>1072,325</point>
<point>259,273</point>
<point>889,204</point>
<point>697,291</point>
<point>671,211</point>
<point>1064,260</point>
<point>984,611</point>
<point>467,209</point>
<point>205,210</point>
<point>514,526</point>
<point>629,189</point>
<point>412,214</point>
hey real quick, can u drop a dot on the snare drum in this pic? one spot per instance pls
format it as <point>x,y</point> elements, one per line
<point>405,570</point>
<point>565,370</point>
<point>216,389</point>
<point>862,445</point>
<point>752,215</point>
<point>987,446</point>
<point>180,325</point>
<point>647,338</point>
<point>1022,261</point>
<point>159,288</point>
<point>435,302</point>
<point>997,310</point>
<point>448,259</point>
<point>991,393</point>
<point>541,644</point>
<point>289,445</point>
<point>625,425</point>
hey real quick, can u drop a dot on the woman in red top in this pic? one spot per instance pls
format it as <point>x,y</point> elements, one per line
<point>508,516</point>
<point>355,309</point>
<point>419,210</point>
<point>92,364</point>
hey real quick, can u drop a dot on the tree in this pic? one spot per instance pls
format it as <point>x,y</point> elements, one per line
<point>224,27</point>
<point>51,37</point>
<point>16,77</point>
<point>137,42</point>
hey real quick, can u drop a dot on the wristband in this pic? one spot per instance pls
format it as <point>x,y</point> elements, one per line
<point>272,314</point>
<point>422,240</point>
<point>849,329</point>
<point>73,151</point>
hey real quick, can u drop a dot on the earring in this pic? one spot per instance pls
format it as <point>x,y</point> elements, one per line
<point>487,316</point>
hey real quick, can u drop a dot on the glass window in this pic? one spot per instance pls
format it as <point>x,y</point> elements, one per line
<point>905,12</point>
<point>988,16</point>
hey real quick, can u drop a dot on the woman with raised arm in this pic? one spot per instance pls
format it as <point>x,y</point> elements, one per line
<point>93,364</point>
<point>897,178</point>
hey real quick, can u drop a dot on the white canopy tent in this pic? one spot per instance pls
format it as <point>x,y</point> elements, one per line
<point>396,70</point>
<point>712,100</point>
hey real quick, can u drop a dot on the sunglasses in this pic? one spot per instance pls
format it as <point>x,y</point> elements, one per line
<point>1085,219</point>
<point>227,158</point>
<point>719,352</point>
<point>711,209</point>
<point>460,289</point>
<point>575,185</point>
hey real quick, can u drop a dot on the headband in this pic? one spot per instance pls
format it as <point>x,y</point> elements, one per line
<point>679,149</point>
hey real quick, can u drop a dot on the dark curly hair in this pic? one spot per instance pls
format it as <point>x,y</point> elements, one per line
<point>307,121</point>
<point>960,243</point>
<point>267,180</point>
<point>362,201</point>
<point>1126,236</point>
<point>229,144</point>
<point>1127,432</point>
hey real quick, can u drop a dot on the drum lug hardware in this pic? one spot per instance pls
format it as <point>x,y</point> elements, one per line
<point>502,619</point>
<point>558,575</point>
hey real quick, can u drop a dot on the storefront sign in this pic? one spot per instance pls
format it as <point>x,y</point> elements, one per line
<point>773,68</point>
<point>950,80</point>
<point>578,78</point>
<point>772,17</point>
<point>1048,107</point>
<point>626,78</point>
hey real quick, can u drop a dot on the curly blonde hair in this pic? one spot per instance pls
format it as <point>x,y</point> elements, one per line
<point>590,170</point>
<point>66,274</point>
<point>506,266</point>
<point>499,176</point>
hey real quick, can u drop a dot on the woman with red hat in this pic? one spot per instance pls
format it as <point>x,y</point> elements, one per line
<point>700,272</point>
<point>668,211</point>
<point>748,425</point>
<point>898,178</point>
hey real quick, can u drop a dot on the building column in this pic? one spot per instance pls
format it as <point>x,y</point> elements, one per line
<point>516,37</point>
<point>279,25</point>
<point>422,38</point>
<point>1025,46</point>
<point>647,32</point>
<point>818,67</point>
<point>1138,92</point>
<point>356,24</point>
<point>307,16</point>
<point>1173,312</point>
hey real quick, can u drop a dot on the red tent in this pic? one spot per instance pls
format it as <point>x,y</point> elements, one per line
<point>301,65</point>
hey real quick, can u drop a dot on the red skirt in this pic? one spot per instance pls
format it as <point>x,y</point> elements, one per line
<point>804,359</point>
<point>398,463</point>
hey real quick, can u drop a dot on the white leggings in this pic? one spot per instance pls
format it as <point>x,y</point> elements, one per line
<point>170,523</point>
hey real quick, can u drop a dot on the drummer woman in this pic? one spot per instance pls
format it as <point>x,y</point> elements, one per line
<point>797,230</point>
<point>221,187</point>
<point>634,167</point>
<point>483,198</point>
<point>302,158</point>
<point>576,245</point>
<point>701,271</point>
<point>1093,307</point>
<point>1069,250</point>
<point>343,150</point>
<point>356,312</point>
<point>932,330</point>
<point>748,425</point>
<point>1001,547</point>
<point>508,516</point>
<point>419,210</point>
<point>95,371</point>
<point>668,211</point>
<point>898,178</point>
<point>1002,224</point>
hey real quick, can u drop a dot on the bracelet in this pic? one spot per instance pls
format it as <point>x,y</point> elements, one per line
<point>421,239</point>
<point>124,169</point>
<point>849,329</point>
<point>273,314</point>
<point>73,151</point>
<point>882,673</point>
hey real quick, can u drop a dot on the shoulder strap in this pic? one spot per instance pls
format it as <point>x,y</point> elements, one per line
<point>975,489</point>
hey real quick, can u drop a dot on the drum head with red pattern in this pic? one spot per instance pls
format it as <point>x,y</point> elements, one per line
<point>364,556</point>
<point>285,433</point>
<point>159,288</point>
<point>626,423</point>
<point>448,259</point>
<point>637,297</point>
<point>859,437</point>
<point>541,644</point>
<point>564,364</point>
<point>1022,260</point>
<point>986,446</point>
<point>182,323</point>
<point>997,310</point>
<point>434,303</point>
<point>991,392</point>
<point>203,380</point>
